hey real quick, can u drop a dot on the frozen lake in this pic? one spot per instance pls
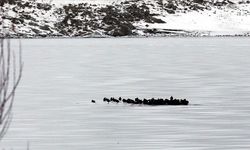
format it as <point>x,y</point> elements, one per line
<point>61,76</point>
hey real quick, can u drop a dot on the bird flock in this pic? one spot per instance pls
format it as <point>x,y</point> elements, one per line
<point>151,101</point>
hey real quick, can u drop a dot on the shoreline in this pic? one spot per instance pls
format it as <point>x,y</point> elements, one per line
<point>118,37</point>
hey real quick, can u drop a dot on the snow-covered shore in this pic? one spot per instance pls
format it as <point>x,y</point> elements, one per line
<point>99,18</point>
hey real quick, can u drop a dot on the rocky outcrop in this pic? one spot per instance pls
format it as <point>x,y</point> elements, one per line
<point>28,18</point>
<point>83,19</point>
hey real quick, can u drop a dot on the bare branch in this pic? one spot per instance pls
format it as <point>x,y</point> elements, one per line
<point>10,75</point>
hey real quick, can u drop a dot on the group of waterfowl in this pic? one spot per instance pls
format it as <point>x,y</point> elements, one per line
<point>151,101</point>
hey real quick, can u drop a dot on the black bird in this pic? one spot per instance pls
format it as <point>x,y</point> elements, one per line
<point>93,101</point>
<point>105,99</point>
<point>116,100</point>
<point>184,102</point>
<point>171,98</point>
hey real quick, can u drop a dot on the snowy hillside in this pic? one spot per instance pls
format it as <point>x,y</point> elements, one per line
<point>70,18</point>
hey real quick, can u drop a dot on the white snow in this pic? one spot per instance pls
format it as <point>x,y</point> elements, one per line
<point>230,21</point>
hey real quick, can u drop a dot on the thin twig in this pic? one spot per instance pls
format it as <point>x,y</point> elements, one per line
<point>10,76</point>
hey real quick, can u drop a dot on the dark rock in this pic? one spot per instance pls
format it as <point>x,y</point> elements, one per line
<point>36,31</point>
<point>151,31</point>
<point>17,20</point>
<point>218,3</point>
<point>199,1</point>
<point>33,24</point>
<point>44,6</point>
<point>171,6</point>
<point>27,17</point>
<point>45,27</point>
<point>122,30</point>
<point>156,20</point>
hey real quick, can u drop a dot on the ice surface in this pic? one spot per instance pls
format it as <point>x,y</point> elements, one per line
<point>53,108</point>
